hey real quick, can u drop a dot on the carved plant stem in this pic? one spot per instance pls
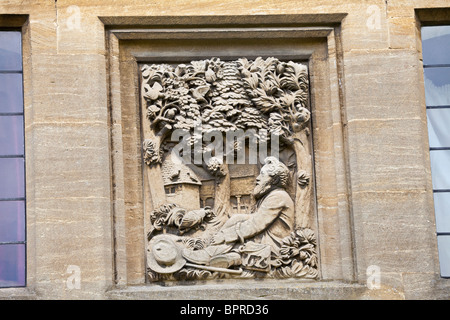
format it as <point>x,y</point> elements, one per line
<point>160,117</point>
<point>303,195</point>
<point>153,172</point>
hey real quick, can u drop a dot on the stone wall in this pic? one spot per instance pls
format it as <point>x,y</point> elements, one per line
<point>372,129</point>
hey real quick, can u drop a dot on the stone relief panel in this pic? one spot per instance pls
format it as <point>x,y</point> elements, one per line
<point>228,165</point>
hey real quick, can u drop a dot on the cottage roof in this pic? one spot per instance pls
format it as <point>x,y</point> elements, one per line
<point>178,173</point>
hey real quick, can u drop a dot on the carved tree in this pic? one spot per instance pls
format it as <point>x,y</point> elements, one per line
<point>216,95</point>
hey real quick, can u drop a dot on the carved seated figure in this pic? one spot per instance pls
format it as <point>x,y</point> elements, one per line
<point>260,232</point>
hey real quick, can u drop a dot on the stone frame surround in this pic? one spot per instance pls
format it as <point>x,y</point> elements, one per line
<point>315,39</point>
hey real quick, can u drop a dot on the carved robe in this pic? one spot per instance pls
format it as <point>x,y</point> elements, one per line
<point>272,221</point>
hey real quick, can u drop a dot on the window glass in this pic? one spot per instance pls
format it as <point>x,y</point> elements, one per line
<point>440,163</point>
<point>439,127</point>
<point>11,93</point>
<point>442,210</point>
<point>436,59</point>
<point>11,135</point>
<point>436,45</point>
<point>12,165</point>
<point>10,51</point>
<point>437,86</point>
<point>12,178</point>
<point>12,265</point>
<point>12,217</point>
<point>444,254</point>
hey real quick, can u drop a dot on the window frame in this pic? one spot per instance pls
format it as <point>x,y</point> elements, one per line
<point>18,156</point>
<point>434,18</point>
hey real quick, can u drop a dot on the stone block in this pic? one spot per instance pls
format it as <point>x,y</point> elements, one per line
<point>69,88</point>
<point>394,231</point>
<point>69,162</point>
<point>387,155</point>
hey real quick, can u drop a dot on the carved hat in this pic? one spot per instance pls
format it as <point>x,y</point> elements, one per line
<point>164,255</point>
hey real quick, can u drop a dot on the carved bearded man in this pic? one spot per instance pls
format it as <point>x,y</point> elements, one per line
<point>272,221</point>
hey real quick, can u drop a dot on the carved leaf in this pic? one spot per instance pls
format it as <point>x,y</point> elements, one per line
<point>287,99</point>
<point>296,266</point>
<point>180,70</point>
<point>290,78</point>
<point>210,76</point>
<point>152,153</point>
<point>306,235</point>
<point>192,274</point>
<point>152,111</point>
<point>302,178</point>
<point>264,102</point>
<point>301,97</point>
<point>284,272</point>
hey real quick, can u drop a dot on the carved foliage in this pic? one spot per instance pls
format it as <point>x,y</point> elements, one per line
<point>298,257</point>
<point>152,153</point>
<point>227,95</point>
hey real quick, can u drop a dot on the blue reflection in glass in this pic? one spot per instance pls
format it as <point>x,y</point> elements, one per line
<point>437,86</point>
<point>442,210</point>
<point>444,255</point>
<point>10,51</point>
<point>11,93</point>
<point>12,265</point>
<point>11,135</point>
<point>440,162</point>
<point>438,127</point>
<point>12,178</point>
<point>436,45</point>
<point>12,221</point>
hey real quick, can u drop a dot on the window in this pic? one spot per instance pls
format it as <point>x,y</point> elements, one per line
<point>436,60</point>
<point>172,190</point>
<point>12,162</point>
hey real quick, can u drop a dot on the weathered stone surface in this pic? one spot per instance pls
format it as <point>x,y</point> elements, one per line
<point>80,92</point>
<point>280,290</point>
<point>384,92</point>
<point>372,170</point>
<point>384,232</point>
